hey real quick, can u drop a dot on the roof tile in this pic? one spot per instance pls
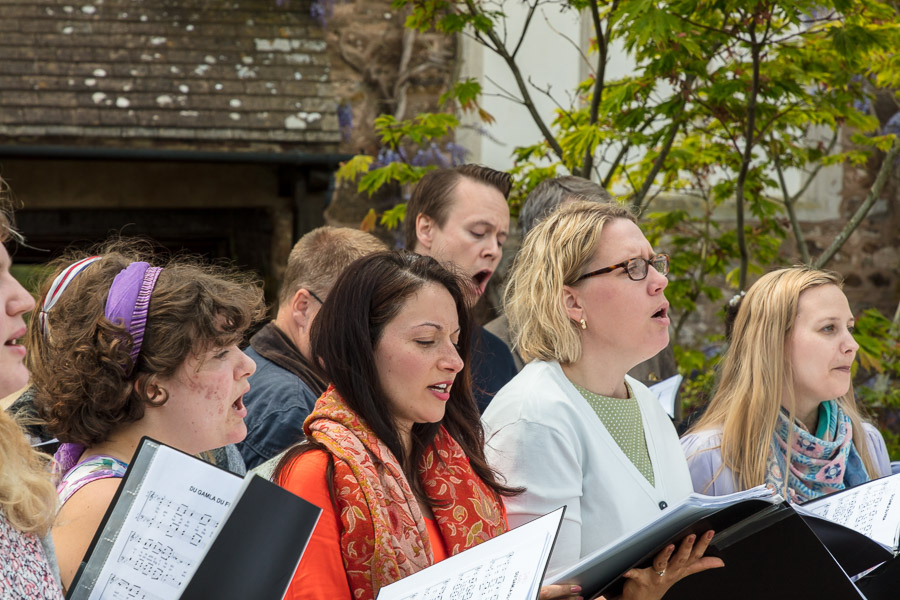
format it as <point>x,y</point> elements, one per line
<point>245,71</point>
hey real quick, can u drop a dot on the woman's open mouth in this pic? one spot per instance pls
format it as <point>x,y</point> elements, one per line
<point>441,390</point>
<point>662,315</point>
<point>14,343</point>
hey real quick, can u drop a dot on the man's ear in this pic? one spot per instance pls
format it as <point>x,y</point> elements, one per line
<point>300,305</point>
<point>572,303</point>
<point>425,228</point>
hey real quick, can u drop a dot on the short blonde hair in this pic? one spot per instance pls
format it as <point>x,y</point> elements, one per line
<point>754,369</point>
<point>554,254</point>
<point>321,255</point>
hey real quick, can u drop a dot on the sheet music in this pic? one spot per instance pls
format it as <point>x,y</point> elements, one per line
<point>166,533</point>
<point>508,567</point>
<point>666,391</point>
<point>872,509</point>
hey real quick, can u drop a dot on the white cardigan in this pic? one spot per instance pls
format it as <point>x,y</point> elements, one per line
<point>543,435</point>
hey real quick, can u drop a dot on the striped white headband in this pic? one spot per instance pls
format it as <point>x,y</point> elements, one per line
<point>58,286</point>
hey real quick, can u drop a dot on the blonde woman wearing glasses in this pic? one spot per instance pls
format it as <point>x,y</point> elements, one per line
<point>586,303</point>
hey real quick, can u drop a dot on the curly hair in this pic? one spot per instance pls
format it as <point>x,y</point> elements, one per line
<point>86,384</point>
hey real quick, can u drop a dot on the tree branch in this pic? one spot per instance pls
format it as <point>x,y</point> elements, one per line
<point>402,83</point>
<point>531,10</point>
<point>573,43</point>
<point>587,163</point>
<point>745,160</point>
<point>792,216</point>
<point>500,49</point>
<point>883,174</point>
<point>547,93</point>
<point>505,94</point>
<point>623,152</point>
<point>638,201</point>
<point>725,32</point>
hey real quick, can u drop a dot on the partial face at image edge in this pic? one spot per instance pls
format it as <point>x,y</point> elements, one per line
<point>16,302</point>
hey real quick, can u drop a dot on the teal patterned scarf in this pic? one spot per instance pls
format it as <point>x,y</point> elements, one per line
<point>820,464</point>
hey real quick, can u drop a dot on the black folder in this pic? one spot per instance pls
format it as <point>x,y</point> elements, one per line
<point>252,552</point>
<point>768,549</point>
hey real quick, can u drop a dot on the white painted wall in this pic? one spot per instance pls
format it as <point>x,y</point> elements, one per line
<point>549,59</point>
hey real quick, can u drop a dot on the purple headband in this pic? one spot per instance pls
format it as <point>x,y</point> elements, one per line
<point>128,298</point>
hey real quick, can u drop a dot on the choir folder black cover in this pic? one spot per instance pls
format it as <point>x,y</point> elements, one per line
<point>769,550</point>
<point>181,528</point>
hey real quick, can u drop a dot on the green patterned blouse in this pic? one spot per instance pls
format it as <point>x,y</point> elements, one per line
<point>622,418</point>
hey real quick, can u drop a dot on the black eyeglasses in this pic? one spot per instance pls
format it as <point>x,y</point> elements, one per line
<point>313,294</point>
<point>636,268</point>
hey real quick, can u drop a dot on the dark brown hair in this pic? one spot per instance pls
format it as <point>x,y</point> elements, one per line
<point>433,195</point>
<point>365,298</point>
<point>85,383</point>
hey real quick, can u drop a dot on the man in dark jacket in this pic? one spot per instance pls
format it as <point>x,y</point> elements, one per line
<point>284,388</point>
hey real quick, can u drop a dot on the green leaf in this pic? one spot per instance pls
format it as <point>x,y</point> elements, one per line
<point>353,168</point>
<point>394,216</point>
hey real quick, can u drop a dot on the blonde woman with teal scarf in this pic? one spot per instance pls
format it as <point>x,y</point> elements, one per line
<point>784,412</point>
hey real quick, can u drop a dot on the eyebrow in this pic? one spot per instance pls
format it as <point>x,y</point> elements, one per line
<point>435,325</point>
<point>836,320</point>
<point>488,224</point>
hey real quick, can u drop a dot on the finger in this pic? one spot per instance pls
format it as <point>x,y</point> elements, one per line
<point>704,564</point>
<point>684,551</point>
<point>661,561</point>
<point>548,592</point>
<point>702,544</point>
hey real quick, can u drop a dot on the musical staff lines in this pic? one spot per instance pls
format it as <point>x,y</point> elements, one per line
<point>117,588</point>
<point>177,520</point>
<point>155,559</point>
<point>489,582</point>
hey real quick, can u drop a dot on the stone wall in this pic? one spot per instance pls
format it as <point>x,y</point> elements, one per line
<point>378,67</point>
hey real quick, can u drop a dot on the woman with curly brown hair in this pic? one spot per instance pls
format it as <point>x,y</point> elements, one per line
<point>27,499</point>
<point>126,350</point>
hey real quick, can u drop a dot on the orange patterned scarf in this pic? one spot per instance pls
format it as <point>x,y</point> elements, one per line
<point>383,535</point>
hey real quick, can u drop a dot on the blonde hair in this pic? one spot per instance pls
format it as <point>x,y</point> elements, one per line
<point>753,373</point>
<point>321,255</point>
<point>554,254</point>
<point>27,498</point>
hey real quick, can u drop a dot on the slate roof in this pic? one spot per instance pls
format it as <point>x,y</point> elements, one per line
<point>173,73</point>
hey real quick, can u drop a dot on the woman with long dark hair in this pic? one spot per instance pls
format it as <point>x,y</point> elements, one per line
<point>394,448</point>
